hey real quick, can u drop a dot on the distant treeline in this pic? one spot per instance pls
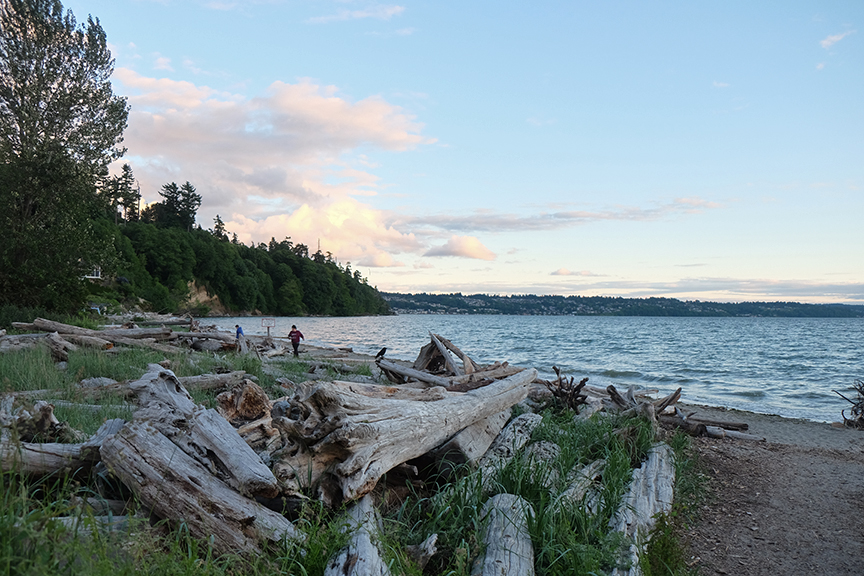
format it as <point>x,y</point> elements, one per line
<point>157,264</point>
<point>604,305</point>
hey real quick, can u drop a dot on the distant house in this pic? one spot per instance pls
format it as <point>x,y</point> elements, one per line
<point>95,274</point>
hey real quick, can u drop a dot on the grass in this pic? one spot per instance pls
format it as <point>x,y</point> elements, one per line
<point>568,537</point>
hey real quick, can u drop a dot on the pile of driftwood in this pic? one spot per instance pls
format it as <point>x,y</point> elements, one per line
<point>234,474</point>
<point>61,338</point>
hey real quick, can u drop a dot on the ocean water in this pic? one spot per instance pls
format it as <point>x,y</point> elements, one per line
<point>783,366</point>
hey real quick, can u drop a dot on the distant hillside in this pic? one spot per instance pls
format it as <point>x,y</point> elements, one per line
<point>606,306</point>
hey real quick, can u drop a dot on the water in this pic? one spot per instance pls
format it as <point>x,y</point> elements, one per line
<point>784,366</point>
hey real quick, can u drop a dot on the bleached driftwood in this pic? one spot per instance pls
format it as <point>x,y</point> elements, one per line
<point>361,557</point>
<point>445,354</point>
<point>540,458</point>
<point>423,552</point>
<point>650,493</point>
<point>48,458</point>
<point>115,336</point>
<point>203,434</point>
<point>387,367</point>
<point>89,341</point>
<point>174,486</point>
<point>468,365</point>
<point>356,438</point>
<point>508,545</point>
<point>470,444</point>
<point>514,436</point>
<point>583,487</point>
<point>61,328</point>
<point>492,374</point>
<point>718,432</point>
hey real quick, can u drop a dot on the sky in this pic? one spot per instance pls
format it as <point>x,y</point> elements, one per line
<point>694,150</point>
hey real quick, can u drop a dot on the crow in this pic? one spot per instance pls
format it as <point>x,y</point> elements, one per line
<point>381,353</point>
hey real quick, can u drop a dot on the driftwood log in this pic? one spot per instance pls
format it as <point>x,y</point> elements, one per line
<point>175,486</point>
<point>508,545</point>
<point>49,458</point>
<point>650,494</point>
<point>342,441</point>
<point>362,556</point>
<point>470,444</point>
<point>202,434</point>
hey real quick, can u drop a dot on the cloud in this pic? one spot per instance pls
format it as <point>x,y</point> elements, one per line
<point>720,84</point>
<point>566,272</point>
<point>464,247</point>
<point>284,163</point>
<point>500,222</point>
<point>820,66</point>
<point>834,38</point>
<point>378,12</point>
<point>162,63</point>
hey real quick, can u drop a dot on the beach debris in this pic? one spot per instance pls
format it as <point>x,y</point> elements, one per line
<point>509,551</point>
<point>856,413</point>
<point>567,391</point>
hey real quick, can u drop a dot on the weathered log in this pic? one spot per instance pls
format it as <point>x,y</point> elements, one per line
<point>176,487</point>
<point>361,557</point>
<point>683,422</point>
<point>448,360</point>
<point>203,434</point>
<point>26,326</point>
<point>114,336</point>
<point>583,486</point>
<point>718,432</point>
<point>59,347</point>
<point>222,336</point>
<point>428,353</point>
<point>49,458</point>
<point>650,493</point>
<point>388,366</point>
<point>661,404</point>
<point>736,426</point>
<point>214,381</point>
<point>470,444</point>
<point>514,436</point>
<point>357,439</point>
<point>500,372</point>
<point>423,552</point>
<point>89,341</point>
<point>468,365</point>
<point>508,545</point>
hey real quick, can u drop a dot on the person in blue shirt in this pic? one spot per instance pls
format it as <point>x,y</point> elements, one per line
<point>239,331</point>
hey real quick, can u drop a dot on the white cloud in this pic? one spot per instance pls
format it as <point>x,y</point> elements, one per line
<point>464,247</point>
<point>566,272</point>
<point>820,66</point>
<point>720,84</point>
<point>162,63</point>
<point>286,163</point>
<point>378,12</point>
<point>834,38</point>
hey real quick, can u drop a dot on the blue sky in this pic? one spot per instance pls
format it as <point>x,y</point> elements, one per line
<point>710,151</point>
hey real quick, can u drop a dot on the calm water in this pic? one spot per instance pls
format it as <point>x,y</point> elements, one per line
<point>785,366</point>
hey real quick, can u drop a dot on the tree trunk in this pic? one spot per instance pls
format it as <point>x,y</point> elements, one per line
<point>388,366</point>
<point>469,445</point>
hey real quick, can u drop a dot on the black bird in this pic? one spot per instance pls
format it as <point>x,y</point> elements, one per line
<point>381,353</point>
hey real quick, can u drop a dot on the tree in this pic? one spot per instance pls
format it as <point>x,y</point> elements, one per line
<point>61,126</point>
<point>180,205</point>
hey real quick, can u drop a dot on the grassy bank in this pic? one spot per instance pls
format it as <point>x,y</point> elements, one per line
<point>568,537</point>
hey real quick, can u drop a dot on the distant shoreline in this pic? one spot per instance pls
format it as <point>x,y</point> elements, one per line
<point>533,305</point>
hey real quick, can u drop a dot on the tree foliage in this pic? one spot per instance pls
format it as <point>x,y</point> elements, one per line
<point>61,126</point>
<point>274,278</point>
